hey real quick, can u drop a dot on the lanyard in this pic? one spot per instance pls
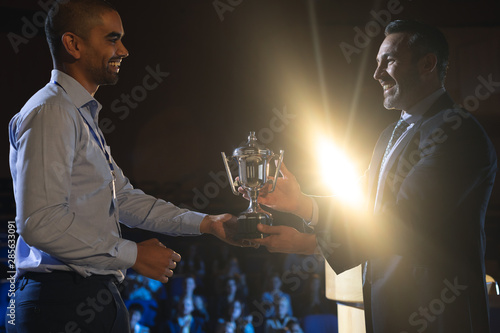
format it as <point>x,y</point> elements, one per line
<point>100,143</point>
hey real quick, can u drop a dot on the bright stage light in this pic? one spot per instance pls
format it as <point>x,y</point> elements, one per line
<point>338,173</point>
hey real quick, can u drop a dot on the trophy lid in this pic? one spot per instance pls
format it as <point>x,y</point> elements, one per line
<point>252,147</point>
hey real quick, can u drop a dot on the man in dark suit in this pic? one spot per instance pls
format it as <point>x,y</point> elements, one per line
<point>421,239</point>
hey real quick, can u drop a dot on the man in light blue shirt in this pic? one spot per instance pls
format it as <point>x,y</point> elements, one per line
<point>71,195</point>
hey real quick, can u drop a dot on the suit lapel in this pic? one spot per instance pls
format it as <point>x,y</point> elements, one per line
<point>392,159</point>
<point>378,154</point>
<point>442,103</point>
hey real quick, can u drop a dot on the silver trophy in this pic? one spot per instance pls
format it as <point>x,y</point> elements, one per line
<point>253,167</point>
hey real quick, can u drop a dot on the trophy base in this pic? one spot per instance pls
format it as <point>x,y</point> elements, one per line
<point>247,225</point>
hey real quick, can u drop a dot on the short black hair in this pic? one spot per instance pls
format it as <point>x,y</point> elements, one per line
<point>76,16</point>
<point>423,39</point>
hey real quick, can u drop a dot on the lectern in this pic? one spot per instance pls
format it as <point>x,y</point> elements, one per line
<point>347,290</point>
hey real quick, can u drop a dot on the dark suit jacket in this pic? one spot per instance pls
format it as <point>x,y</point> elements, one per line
<point>424,241</point>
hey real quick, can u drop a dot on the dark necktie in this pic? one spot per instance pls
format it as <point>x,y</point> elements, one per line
<point>400,128</point>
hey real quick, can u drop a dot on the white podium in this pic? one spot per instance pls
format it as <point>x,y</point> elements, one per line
<point>347,290</point>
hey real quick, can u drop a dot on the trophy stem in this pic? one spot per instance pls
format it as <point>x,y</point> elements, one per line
<point>254,205</point>
<point>249,219</point>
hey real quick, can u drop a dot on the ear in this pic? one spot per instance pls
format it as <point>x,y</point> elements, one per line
<point>72,44</point>
<point>428,64</point>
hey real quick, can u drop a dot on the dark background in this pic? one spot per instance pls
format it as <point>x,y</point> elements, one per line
<point>236,70</point>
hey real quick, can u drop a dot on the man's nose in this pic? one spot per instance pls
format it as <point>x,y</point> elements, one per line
<point>377,74</point>
<point>122,51</point>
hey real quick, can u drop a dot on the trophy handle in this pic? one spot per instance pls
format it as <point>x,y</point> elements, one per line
<point>282,153</point>
<point>229,175</point>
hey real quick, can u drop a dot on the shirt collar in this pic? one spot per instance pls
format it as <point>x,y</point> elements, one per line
<point>415,112</point>
<point>77,93</point>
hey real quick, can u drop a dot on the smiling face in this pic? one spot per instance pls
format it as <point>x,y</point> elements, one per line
<point>398,73</point>
<point>102,51</point>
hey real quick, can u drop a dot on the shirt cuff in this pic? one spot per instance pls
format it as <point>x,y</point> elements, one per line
<point>126,254</point>
<point>189,223</point>
<point>192,225</point>
<point>315,212</point>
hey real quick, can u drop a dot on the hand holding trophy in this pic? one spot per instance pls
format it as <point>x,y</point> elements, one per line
<point>253,167</point>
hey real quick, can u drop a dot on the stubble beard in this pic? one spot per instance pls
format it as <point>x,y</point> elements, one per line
<point>403,96</point>
<point>104,76</point>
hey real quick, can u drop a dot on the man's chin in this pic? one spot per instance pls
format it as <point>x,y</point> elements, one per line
<point>391,104</point>
<point>389,107</point>
<point>110,81</point>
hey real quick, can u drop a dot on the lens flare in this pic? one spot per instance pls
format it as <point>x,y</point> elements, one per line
<point>338,173</point>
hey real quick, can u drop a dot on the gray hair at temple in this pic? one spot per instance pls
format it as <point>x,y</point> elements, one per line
<point>424,39</point>
<point>76,16</point>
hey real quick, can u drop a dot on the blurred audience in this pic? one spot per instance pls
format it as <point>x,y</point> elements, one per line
<point>313,300</point>
<point>192,263</point>
<point>281,318</point>
<point>226,327</point>
<point>230,294</point>
<point>235,315</point>
<point>273,294</point>
<point>183,321</point>
<point>293,326</point>
<point>200,308</point>
<point>136,310</point>
<point>199,302</point>
<point>149,293</point>
<point>225,302</point>
<point>143,288</point>
<point>232,269</point>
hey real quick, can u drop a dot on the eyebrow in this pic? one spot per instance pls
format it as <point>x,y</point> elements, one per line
<point>114,34</point>
<point>384,56</point>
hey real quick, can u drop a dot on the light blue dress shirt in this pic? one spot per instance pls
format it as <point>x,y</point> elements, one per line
<point>66,215</point>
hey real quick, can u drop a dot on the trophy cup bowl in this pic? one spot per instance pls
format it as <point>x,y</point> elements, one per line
<point>253,168</point>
